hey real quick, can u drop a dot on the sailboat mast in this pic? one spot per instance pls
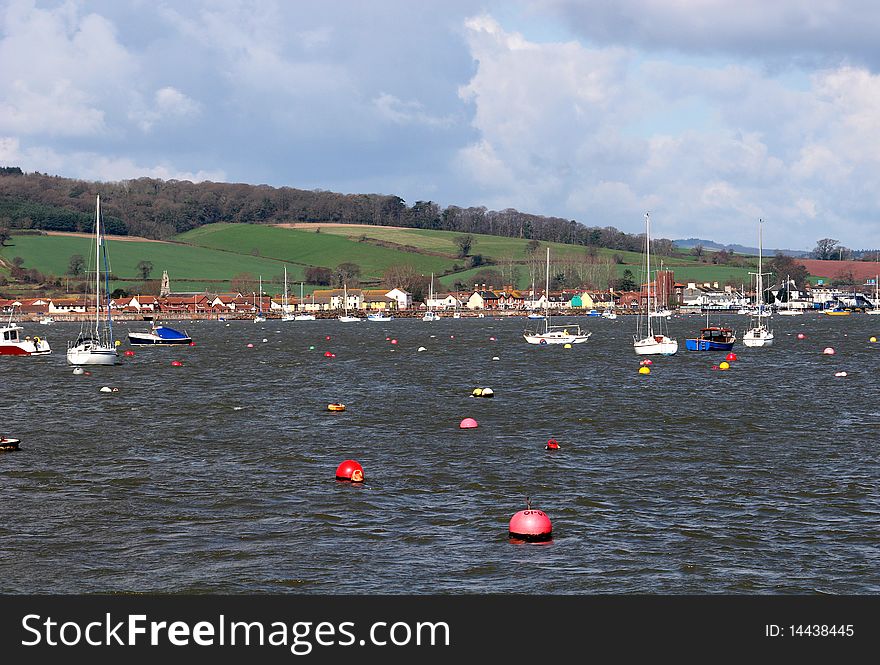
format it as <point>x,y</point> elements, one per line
<point>547,285</point>
<point>759,298</point>
<point>648,269</point>
<point>97,263</point>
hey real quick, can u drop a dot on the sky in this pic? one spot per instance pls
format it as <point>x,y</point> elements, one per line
<point>709,114</point>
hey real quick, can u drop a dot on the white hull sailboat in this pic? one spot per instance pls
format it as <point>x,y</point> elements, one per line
<point>95,345</point>
<point>286,314</point>
<point>300,315</point>
<point>347,318</point>
<point>430,315</point>
<point>876,302</point>
<point>788,310</point>
<point>648,342</point>
<point>759,334</point>
<point>549,334</point>
<point>258,309</point>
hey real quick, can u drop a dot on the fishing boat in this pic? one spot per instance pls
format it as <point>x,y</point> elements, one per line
<point>759,334</point>
<point>347,318</point>
<point>12,343</point>
<point>95,344</point>
<point>546,333</point>
<point>159,336</point>
<point>712,338</point>
<point>431,315</point>
<point>836,311</point>
<point>379,317</point>
<point>647,340</point>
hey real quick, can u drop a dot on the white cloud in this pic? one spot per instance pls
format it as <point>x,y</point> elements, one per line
<point>406,112</point>
<point>169,104</point>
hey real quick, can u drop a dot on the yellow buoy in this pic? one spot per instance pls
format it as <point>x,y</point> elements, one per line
<point>567,346</point>
<point>724,365</point>
<point>644,370</point>
<point>336,406</point>
<point>873,339</point>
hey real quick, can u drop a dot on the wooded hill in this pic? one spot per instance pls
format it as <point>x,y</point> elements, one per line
<point>159,210</point>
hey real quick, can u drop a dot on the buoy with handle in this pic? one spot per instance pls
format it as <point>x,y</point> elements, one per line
<point>532,526</point>
<point>350,470</point>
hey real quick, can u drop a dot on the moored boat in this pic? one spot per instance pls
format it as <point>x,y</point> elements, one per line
<point>12,343</point>
<point>159,335</point>
<point>712,338</point>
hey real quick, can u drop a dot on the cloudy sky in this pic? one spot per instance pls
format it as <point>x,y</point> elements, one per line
<point>710,114</point>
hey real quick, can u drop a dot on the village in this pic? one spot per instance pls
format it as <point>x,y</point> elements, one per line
<point>684,298</point>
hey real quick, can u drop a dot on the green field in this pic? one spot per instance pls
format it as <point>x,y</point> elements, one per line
<point>211,256</point>
<point>310,248</point>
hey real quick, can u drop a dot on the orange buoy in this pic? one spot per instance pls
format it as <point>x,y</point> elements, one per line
<point>552,444</point>
<point>467,423</point>
<point>350,470</point>
<point>532,526</point>
<point>336,406</point>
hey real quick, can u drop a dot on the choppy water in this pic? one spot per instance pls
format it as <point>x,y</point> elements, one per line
<point>218,476</point>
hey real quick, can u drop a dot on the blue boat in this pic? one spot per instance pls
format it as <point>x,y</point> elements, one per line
<point>712,338</point>
<point>158,336</point>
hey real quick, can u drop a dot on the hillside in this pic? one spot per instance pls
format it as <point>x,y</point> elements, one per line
<point>690,243</point>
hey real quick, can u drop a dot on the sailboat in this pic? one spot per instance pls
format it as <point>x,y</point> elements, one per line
<point>549,334</point>
<point>300,315</point>
<point>788,310</point>
<point>648,341</point>
<point>286,315</point>
<point>345,318</point>
<point>258,310</point>
<point>759,334</point>
<point>431,315</point>
<point>95,345</point>
<point>876,303</point>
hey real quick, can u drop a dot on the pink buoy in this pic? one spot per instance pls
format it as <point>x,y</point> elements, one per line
<point>646,362</point>
<point>176,363</point>
<point>532,526</point>
<point>351,471</point>
<point>250,346</point>
<point>327,337</point>
<point>467,423</point>
<point>828,351</point>
<point>491,339</point>
<point>801,336</point>
<point>394,341</point>
<point>731,357</point>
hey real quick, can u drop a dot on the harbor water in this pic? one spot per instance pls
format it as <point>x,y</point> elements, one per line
<point>217,476</point>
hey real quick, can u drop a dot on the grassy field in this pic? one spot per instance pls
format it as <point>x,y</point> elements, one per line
<point>51,255</point>
<point>211,256</point>
<point>310,248</point>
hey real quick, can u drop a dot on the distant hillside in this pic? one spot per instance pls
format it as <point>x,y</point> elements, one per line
<point>690,243</point>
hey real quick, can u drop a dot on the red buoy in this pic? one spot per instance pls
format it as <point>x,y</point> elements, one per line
<point>192,343</point>
<point>351,471</point>
<point>327,337</point>
<point>327,354</point>
<point>552,445</point>
<point>129,353</point>
<point>467,423</point>
<point>532,526</point>
<point>646,362</point>
<point>730,357</point>
<point>176,363</point>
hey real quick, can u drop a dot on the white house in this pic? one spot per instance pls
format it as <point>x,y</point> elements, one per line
<point>403,298</point>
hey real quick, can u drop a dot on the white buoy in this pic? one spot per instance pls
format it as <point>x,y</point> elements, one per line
<point>495,358</point>
<point>78,370</point>
<point>106,389</point>
<point>265,340</point>
<point>422,348</point>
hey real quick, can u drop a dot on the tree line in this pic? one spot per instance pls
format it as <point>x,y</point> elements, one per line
<point>160,209</point>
